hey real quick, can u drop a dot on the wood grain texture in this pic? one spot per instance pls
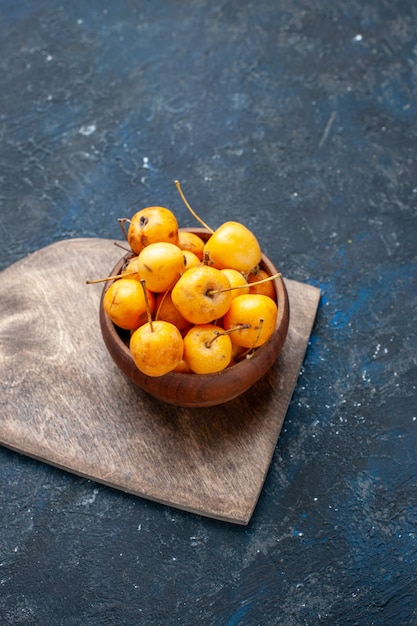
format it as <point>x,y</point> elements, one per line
<point>64,401</point>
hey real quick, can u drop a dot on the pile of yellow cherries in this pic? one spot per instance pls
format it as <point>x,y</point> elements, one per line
<point>191,305</point>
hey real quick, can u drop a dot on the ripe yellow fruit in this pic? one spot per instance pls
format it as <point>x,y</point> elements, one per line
<point>157,348</point>
<point>125,303</point>
<point>257,310</point>
<point>167,311</point>
<point>267,288</point>
<point>160,265</point>
<point>150,225</point>
<point>206,349</point>
<point>131,268</point>
<point>191,259</point>
<point>236,279</point>
<point>191,242</point>
<point>233,245</point>
<point>199,295</point>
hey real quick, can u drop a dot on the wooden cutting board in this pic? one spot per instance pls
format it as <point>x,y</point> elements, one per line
<point>63,400</point>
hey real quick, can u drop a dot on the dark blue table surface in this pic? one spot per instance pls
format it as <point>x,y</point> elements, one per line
<point>298,119</point>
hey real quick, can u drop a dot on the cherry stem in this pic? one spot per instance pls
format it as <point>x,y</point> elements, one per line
<point>193,213</point>
<point>217,333</point>
<point>265,280</point>
<point>261,323</point>
<point>250,351</point>
<point>164,297</point>
<point>122,221</point>
<point>213,292</point>
<point>103,280</point>
<point>160,305</point>
<point>148,308</point>
<point>119,245</point>
<point>206,258</point>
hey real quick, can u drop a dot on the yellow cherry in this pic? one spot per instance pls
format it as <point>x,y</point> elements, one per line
<point>257,310</point>
<point>191,259</point>
<point>233,245</point>
<point>266,288</point>
<point>150,225</point>
<point>236,279</point>
<point>207,350</point>
<point>125,303</point>
<point>183,367</point>
<point>198,294</point>
<point>160,264</point>
<point>192,242</point>
<point>157,348</point>
<point>131,268</point>
<point>167,311</point>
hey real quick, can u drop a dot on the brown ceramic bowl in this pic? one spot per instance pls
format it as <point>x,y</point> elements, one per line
<point>198,390</point>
